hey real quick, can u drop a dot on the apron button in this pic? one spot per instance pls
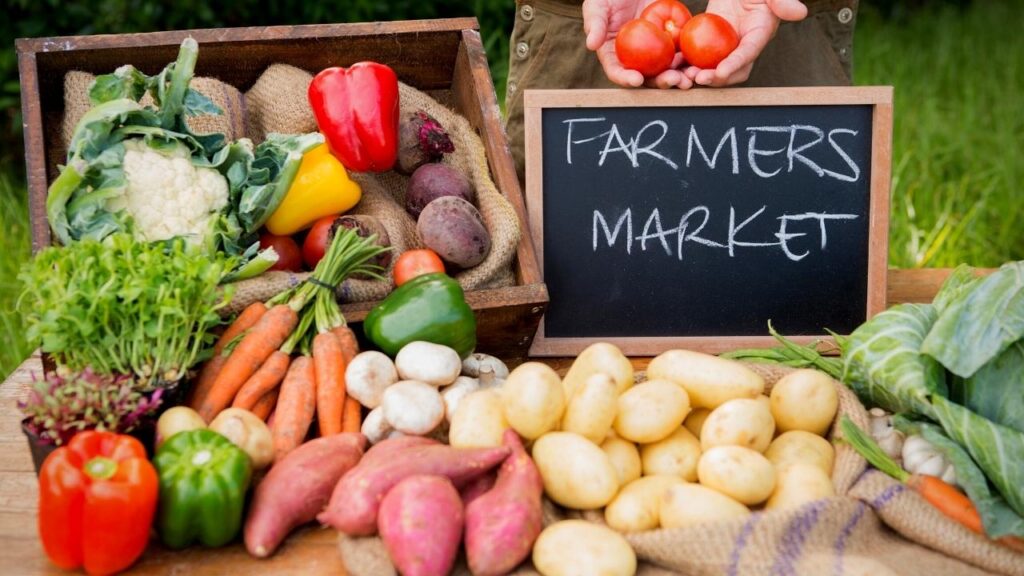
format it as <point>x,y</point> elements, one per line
<point>845,16</point>
<point>511,87</point>
<point>526,12</point>
<point>522,50</point>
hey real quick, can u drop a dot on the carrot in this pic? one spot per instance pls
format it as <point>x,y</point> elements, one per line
<point>265,406</point>
<point>349,344</point>
<point>351,416</point>
<point>329,365</point>
<point>245,320</point>
<point>295,407</point>
<point>264,380</point>
<point>266,336</point>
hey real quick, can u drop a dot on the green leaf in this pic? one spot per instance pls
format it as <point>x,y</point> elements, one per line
<point>125,82</point>
<point>980,323</point>
<point>996,391</point>
<point>276,162</point>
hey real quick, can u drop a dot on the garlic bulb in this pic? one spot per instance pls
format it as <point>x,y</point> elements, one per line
<point>920,457</point>
<point>889,438</point>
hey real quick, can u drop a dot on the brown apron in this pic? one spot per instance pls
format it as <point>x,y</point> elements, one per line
<point>548,50</point>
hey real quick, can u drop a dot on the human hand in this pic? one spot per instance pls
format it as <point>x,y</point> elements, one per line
<point>756,22</point>
<point>602,20</point>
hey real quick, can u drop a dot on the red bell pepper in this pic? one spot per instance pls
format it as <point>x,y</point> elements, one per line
<point>356,108</point>
<point>97,497</point>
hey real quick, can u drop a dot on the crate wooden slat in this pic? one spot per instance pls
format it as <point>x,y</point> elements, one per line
<point>445,57</point>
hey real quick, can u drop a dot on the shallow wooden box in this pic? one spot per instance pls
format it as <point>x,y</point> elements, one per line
<point>443,57</point>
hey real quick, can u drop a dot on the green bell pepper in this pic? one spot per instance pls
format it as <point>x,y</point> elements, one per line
<point>203,480</point>
<point>431,308</point>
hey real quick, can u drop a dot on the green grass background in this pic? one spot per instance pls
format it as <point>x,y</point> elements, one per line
<point>958,71</point>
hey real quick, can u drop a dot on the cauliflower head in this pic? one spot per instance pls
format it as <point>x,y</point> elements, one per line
<point>167,195</point>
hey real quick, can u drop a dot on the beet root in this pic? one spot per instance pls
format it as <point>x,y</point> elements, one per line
<point>455,230</point>
<point>432,181</point>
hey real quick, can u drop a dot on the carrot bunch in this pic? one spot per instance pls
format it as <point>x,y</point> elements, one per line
<point>253,365</point>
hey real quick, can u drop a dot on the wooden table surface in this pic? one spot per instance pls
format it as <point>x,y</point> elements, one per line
<point>310,550</point>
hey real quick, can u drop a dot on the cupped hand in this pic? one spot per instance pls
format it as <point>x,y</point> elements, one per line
<point>602,20</point>
<point>756,22</point>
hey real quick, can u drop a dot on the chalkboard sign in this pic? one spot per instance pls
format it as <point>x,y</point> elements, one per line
<point>693,218</point>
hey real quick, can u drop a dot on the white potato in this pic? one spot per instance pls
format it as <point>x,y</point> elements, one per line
<point>368,375</point>
<point>651,411</point>
<point>591,410</point>
<point>600,357</point>
<point>479,421</point>
<point>576,473</point>
<point>675,455</point>
<point>412,407</point>
<point>532,399</point>
<point>636,507</point>
<point>581,548</point>
<point>739,422</point>
<point>625,458</point>
<point>427,362</point>
<point>692,504</point>
<point>740,473</point>
<point>709,380</point>
<point>797,446</point>
<point>805,400</point>
<point>695,420</point>
<point>798,484</point>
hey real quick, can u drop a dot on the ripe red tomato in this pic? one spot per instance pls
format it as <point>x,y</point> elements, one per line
<point>669,15</point>
<point>707,39</point>
<point>644,47</point>
<point>288,256</point>
<point>413,263</point>
<point>315,245</point>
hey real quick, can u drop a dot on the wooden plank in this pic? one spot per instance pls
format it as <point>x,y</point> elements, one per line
<point>920,285</point>
<point>793,96</point>
<point>35,150</point>
<point>878,214</point>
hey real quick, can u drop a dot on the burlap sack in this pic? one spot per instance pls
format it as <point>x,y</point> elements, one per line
<point>278,103</point>
<point>910,515</point>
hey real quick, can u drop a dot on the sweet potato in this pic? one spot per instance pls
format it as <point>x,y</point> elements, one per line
<point>477,487</point>
<point>420,522</point>
<point>502,525</point>
<point>454,229</point>
<point>297,488</point>
<point>356,499</point>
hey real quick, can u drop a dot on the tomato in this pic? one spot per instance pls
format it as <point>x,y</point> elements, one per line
<point>315,245</point>
<point>288,256</point>
<point>413,263</point>
<point>644,47</point>
<point>707,39</point>
<point>669,15</point>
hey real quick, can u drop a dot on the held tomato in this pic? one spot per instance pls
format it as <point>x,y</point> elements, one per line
<point>413,263</point>
<point>669,15</point>
<point>707,39</point>
<point>288,256</point>
<point>644,47</point>
<point>315,245</point>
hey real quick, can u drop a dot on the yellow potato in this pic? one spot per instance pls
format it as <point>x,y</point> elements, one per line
<point>177,419</point>
<point>581,548</point>
<point>625,458</point>
<point>797,446</point>
<point>478,422</point>
<point>740,473</point>
<point>693,504</point>
<point>600,357</point>
<point>798,484</point>
<point>740,422</point>
<point>591,410</point>
<point>636,506</point>
<point>676,455</point>
<point>532,399</point>
<point>805,400</point>
<point>576,473</point>
<point>709,380</point>
<point>651,411</point>
<point>695,420</point>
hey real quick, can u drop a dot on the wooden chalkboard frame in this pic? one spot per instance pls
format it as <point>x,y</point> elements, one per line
<point>878,97</point>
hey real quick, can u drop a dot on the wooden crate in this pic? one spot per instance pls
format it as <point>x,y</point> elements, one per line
<point>443,57</point>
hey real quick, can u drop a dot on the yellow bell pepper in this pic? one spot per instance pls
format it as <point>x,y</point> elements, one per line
<point>320,188</point>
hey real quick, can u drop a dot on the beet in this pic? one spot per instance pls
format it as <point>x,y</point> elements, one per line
<point>365,226</point>
<point>454,229</point>
<point>432,181</point>
<point>421,140</point>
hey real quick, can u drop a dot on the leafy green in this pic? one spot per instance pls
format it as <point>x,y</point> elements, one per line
<point>883,364</point>
<point>958,283</point>
<point>980,322</point>
<point>124,307</point>
<point>997,517</point>
<point>996,390</point>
